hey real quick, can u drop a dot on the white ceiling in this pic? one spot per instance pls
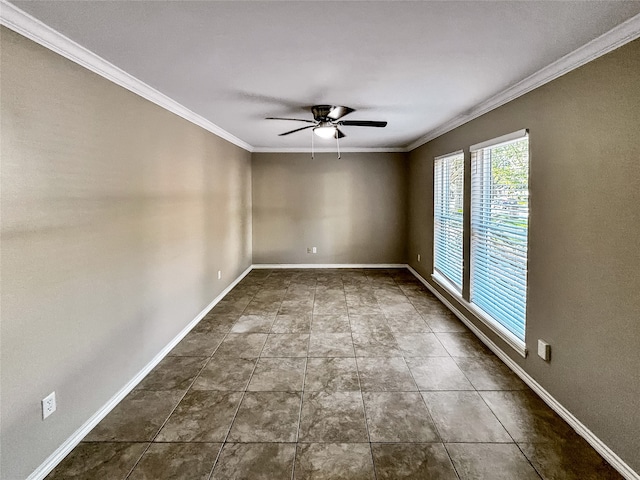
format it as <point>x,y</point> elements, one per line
<point>416,65</point>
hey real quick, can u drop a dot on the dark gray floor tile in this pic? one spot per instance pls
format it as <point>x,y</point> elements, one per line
<point>137,418</point>
<point>173,373</point>
<point>292,324</point>
<point>296,307</point>
<point>385,374</point>
<point>429,306</point>
<point>437,373</point>
<point>263,307</point>
<point>490,461</point>
<point>420,345</point>
<point>225,374</point>
<point>407,461</point>
<point>368,323</point>
<point>489,373</point>
<point>445,323</point>
<point>463,345</point>
<point>330,324</point>
<point>390,309</point>
<point>332,375</point>
<point>176,461</point>
<point>245,345</point>
<point>331,461</point>
<point>216,323</point>
<point>99,460</point>
<point>407,323</point>
<point>464,417</point>
<point>333,417</point>
<point>333,307</point>
<point>331,345</point>
<point>568,459</point>
<point>278,375</point>
<point>197,345</point>
<point>286,345</point>
<point>229,307</point>
<point>375,344</point>
<point>526,417</point>
<point>253,324</point>
<point>398,417</point>
<point>267,417</point>
<point>255,461</point>
<point>201,416</point>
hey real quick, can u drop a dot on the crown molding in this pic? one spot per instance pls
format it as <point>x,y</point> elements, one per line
<point>624,33</point>
<point>24,24</point>
<point>330,150</point>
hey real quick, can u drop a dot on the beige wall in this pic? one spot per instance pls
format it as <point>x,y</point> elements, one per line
<point>352,209</point>
<point>584,244</point>
<point>116,217</point>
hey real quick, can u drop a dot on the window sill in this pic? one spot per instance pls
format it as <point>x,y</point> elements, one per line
<point>510,339</point>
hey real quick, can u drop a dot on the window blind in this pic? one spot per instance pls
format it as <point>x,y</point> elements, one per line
<point>448,196</point>
<point>499,230</point>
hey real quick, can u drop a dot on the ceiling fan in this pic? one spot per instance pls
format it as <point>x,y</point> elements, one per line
<point>326,120</point>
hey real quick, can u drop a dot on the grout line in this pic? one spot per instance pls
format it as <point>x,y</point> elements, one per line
<point>304,381</point>
<point>435,425</point>
<point>366,422</point>
<point>177,404</point>
<point>224,442</point>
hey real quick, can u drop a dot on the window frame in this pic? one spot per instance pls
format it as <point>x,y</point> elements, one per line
<point>438,272</point>
<point>463,294</point>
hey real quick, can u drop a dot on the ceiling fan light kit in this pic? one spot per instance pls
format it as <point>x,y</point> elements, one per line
<point>326,120</point>
<point>325,131</point>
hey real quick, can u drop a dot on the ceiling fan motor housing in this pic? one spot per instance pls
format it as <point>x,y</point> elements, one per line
<point>321,112</point>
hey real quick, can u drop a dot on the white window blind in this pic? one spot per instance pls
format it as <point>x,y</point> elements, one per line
<point>499,227</point>
<point>448,196</point>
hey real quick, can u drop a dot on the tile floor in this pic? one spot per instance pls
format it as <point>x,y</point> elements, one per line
<point>327,374</point>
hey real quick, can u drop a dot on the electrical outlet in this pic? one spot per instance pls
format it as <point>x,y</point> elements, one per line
<point>418,258</point>
<point>314,250</point>
<point>544,350</point>
<point>48,405</point>
<point>219,274</point>
<point>308,249</point>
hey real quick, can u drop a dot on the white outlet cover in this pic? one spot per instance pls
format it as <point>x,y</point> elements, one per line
<point>48,405</point>
<point>219,274</point>
<point>315,250</point>
<point>544,350</point>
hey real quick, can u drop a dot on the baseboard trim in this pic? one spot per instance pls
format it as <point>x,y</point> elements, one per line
<point>63,450</point>
<point>262,266</point>
<point>609,455</point>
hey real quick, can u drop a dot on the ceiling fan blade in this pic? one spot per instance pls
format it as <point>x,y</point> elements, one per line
<point>296,130</point>
<point>362,123</point>
<point>339,134</point>
<point>339,111</point>
<point>294,119</point>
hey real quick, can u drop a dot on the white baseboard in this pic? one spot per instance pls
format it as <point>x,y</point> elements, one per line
<point>70,443</point>
<point>609,455</point>
<point>260,266</point>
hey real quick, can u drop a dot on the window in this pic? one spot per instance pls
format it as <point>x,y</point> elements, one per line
<point>448,196</point>
<point>499,226</point>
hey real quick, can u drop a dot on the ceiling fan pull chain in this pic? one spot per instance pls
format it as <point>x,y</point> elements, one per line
<point>338,144</point>
<point>312,134</point>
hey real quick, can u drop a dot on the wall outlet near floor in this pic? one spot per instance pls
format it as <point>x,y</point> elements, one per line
<point>48,405</point>
<point>312,250</point>
<point>219,274</point>
<point>544,350</point>
<point>418,258</point>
